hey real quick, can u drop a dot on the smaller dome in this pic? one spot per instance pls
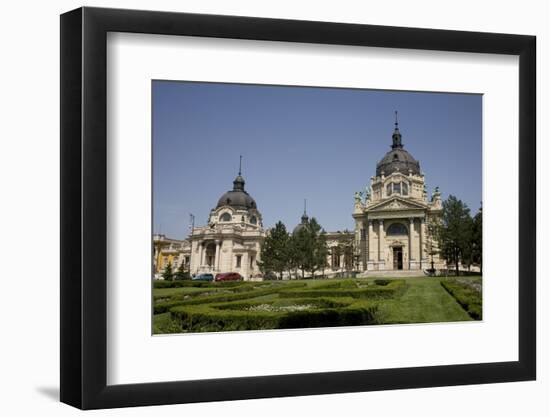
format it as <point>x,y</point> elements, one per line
<point>300,226</point>
<point>237,198</point>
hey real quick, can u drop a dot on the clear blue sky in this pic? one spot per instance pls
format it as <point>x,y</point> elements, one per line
<point>321,144</point>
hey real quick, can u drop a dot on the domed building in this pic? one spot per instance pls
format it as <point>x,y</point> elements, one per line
<point>232,239</point>
<point>392,232</point>
<point>392,217</point>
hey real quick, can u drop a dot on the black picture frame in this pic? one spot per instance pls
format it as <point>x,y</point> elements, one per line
<point>84,207</point>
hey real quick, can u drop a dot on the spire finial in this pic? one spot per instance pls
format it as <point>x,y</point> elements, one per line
<point>238,183</point>
<point>305,219</point>
<point>396,137</point>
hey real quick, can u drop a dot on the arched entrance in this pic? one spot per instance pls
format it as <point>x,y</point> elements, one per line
<point>397,257</point>
<point>400,233</point>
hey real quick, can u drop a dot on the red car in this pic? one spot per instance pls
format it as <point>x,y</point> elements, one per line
<point>229,276</point>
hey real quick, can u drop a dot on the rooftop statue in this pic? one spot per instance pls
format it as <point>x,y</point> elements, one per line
<point>367,193</point>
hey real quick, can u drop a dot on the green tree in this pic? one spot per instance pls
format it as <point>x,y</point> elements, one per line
<point>454,231</point>
<point>302,250</point>
<point>320,254</point>
<point>182,273</point>
<point>469,245</point>
<point>275,251</point>
<point>477,239</point>
<point>309,248</point>
<point>432,245</point>
<point>168,274</point>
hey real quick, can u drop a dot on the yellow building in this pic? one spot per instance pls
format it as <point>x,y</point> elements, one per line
<point>169,251</point>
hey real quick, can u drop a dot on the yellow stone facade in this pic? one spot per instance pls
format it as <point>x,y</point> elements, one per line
<point>394,218</point>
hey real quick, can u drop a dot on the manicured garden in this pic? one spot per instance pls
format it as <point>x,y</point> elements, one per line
<point>188,306</point>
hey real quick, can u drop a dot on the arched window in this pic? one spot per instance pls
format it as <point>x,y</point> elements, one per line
<point>253,220</point>
<point>397,188</point>
<point>396,229</point>
<point>226,217</point>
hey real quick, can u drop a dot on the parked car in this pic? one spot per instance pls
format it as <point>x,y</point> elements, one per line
<point>203,277</point>
<point>229,276</point>
<point>270,276</point>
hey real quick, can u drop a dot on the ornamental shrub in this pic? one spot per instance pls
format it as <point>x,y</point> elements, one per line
<point>212,317</point>
<point>394,289</point>
<point>469,298</point>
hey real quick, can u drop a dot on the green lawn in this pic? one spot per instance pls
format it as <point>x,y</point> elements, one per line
<point>170,292</point>
<point>306,303</point>
<point>425,301</point>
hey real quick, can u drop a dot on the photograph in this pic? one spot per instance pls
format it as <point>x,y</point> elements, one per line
<point>275,208</point>
<point>288,207</point>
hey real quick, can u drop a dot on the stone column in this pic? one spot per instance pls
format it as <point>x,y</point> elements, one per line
<point>204,251</point>
<point>200,255</point>
<point>245,266</point>
<point>364,246</point>
<point>380,232</point>
<point>217,256</point>
<point>369,237</point>
<point>421,234</point>
<point>411,229</point>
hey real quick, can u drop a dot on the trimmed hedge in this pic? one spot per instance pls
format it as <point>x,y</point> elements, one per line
<point>316,302</point>
<point>179,284</point>
<point>239,295</point>
<point>164,306</point>
<point>348,283</point>
<point>468,298</point>
<point>270,305</point>
<point>211,317</point>
<point>203,284</point>
<point>393,289</point>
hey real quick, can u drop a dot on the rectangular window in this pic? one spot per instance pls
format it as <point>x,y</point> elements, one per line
<point>335,258</point>
<point>397,188</point>
<point>388,189</point>
<point>238,261</point>
<point>405,188</point>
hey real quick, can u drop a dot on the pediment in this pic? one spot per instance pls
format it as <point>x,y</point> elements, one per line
<point>397,204</point>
